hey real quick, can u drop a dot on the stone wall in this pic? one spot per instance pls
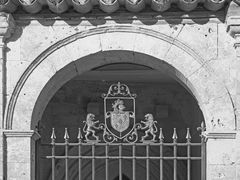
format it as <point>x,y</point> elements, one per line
<point>43,54</point>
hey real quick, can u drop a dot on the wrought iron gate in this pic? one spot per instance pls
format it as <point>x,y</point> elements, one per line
<point>120,130</point>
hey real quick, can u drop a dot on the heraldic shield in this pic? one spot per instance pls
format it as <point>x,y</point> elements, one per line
<point>119,111</point>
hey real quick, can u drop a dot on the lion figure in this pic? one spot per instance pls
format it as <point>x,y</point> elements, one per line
<point>90,126</point>
<point>149,125</point>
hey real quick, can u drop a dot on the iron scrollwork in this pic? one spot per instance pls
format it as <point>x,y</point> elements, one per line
<point>119,119</point>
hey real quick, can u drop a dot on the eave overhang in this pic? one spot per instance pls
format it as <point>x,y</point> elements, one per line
<point>109,6</point>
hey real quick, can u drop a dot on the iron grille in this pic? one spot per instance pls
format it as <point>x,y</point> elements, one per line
<point>120,131</point>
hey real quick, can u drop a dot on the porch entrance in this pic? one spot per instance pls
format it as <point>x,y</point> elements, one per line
<point>143,127</point>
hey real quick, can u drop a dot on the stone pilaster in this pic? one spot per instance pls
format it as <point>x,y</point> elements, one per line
<point>6,29</point>
<point>20,159</point>
<point>233,28</point>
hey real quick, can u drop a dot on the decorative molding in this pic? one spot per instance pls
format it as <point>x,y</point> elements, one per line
<point>221,135</point>
<point>233,24</point>
<point>22,134</point>
<point>94,31</point>
<point>7,25</point>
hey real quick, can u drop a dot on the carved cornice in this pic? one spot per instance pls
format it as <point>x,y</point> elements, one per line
<point>7,25</point>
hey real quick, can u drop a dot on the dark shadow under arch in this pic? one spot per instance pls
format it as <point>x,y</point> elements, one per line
<point>96,60</point>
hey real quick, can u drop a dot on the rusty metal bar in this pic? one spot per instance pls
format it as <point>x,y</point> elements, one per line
<point>134,161</point>
<point>120,162</point>
<point>106,161</point>
<point>147,161</point>
<point>93,161</point>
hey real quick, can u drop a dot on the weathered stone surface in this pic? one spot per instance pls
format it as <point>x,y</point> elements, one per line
<point>201,55</point>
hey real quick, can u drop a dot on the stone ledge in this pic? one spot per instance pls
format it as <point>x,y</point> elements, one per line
<point>221,135</point>
<point>21,134</point>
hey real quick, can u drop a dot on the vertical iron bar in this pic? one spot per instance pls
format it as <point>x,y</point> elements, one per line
<point>66,137</point>
<point>106,161</point>
<point>161,161</point>
<point>188,162</point>
<point>134,161</point>
<point>93,161</point>
<point>188,138</point>
<point>53,161</point>
<point>53,137</point>
<point>147,162</point>
<point>120,161</point>
<point>203,151</point>
<point>161,137</point>
<point>203,160</point>
<point>175,154</point>
<point>79,153</point>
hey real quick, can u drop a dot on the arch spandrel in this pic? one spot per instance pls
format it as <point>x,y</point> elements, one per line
<point>87,44</point>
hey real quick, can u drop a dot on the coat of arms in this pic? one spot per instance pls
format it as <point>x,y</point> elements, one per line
<point>119,111</point>
<point>119,119</point>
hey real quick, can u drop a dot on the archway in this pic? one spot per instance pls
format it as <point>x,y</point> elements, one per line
<point>32,94</point>
<point>212,96</point>
<point>159,92</point>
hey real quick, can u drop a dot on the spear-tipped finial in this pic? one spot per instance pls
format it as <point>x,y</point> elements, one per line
<point>161,137</point>
<point>188,136</point>
<point>66,136</point>
<point>174,137</point>
<point>80,137</point>
<point>53,136</point>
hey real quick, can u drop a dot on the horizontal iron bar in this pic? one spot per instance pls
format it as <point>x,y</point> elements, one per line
<point>124,144</point>
<point>123,157</point>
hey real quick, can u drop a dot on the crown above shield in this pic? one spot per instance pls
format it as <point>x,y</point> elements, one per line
<point>119,90</point>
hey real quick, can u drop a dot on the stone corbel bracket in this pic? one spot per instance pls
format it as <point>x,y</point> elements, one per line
<point>233,24</point>
<point>7,25</point>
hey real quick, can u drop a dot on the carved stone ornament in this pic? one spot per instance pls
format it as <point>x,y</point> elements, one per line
<point>233,24</point>
<point>7,25</point>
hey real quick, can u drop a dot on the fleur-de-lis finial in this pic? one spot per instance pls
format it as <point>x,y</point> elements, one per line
<point>53,136</point>
<point>66,136</point>
<point>174,137</point>
<point>161,137</point>
<point>80,137</point>
<point>188,136</point>
<point>203,134</point>
<point>202,128</point>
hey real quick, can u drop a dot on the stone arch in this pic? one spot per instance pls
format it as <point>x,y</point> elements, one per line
<point>67,58</point>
